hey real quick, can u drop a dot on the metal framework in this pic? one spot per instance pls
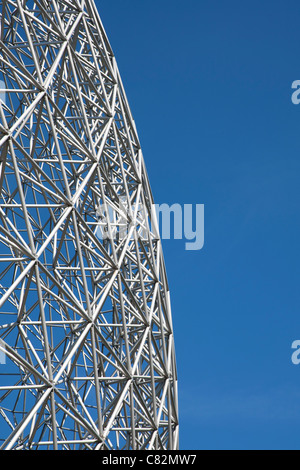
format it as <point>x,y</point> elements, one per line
<point>85,318</point>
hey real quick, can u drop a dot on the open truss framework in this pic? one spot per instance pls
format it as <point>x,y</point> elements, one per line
<point>85,318</point>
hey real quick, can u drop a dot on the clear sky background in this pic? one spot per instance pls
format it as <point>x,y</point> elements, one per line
<point>209,85</point>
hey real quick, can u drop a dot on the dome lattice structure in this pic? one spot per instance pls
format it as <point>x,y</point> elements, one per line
<point>85,316</point>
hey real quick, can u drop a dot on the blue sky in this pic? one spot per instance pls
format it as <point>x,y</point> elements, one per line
<point>209,84</point>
